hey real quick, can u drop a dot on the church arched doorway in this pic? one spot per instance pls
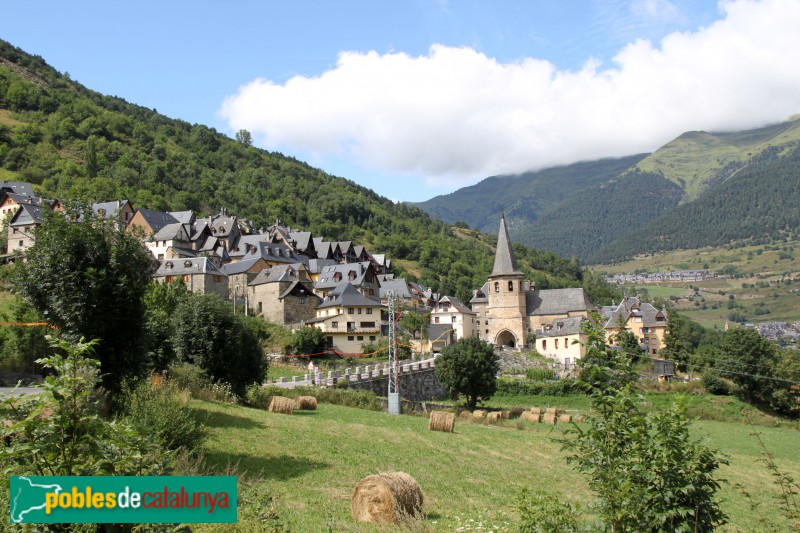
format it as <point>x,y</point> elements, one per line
<point>506,338</point>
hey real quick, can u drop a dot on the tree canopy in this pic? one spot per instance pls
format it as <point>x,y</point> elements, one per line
<point>468,368</point>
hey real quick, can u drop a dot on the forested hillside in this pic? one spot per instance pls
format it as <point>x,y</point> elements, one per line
<point>757,205</point>
<point>71,142</point>
<point>523,197</point>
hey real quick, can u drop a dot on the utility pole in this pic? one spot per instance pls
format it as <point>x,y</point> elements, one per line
<point>394,386</point>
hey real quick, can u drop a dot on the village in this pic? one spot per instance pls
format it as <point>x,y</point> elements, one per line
<point>292,278</point>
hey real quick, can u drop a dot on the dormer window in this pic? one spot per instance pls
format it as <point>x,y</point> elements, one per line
<point>187,263</point>
<point>168,265</point>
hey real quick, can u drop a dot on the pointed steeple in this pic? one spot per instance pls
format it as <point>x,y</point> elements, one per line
<point>504,261</point>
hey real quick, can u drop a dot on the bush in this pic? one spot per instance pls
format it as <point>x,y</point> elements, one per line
<point>196,381</point>
<point>527,387</point>
<point>540,374</point>
<point>261,396</point>
<point>164,413</point>
<point>544,512</point>
<point>714,384</point>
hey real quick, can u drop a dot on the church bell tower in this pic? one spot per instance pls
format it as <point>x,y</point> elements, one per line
<point>506,299</point>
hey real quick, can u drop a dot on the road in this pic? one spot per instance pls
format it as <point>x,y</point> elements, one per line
<point>6,391</point>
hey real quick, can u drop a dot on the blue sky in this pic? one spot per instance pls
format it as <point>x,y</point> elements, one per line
<point>420,98</point>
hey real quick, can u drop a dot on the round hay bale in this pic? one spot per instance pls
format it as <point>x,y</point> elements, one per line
<point>306,403</point>
<point>580,419</point>
<point>505,415</point>
<point>564,419</point>
<point>551,411</point>
<point>281,404</point>
<point>530,417</point>
<point>494,416</point>
<point>536,410</point>
<point>387,498</point>
<point>549,419</point>
<point>478,413</point>
<point>442,421</point>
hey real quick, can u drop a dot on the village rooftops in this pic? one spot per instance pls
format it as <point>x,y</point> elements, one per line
<point>275,274</point>
<point>155,219</point>
<point>332,275</point>
<point>188,266</point>
<point>446,303</point>
<point>109,209</point>
<point>562,326</point>
<point>27,215</point>
<point>633,307</point>
<point>399,286</point>
<point>240,267</point>
<point>17,187</point>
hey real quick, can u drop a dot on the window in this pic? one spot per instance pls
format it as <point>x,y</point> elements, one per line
<point>544,344</point>
<point>335,324</point>
<point>169,279</point>
<point>350,310</point>
<point>566,361</point>
<point>453,319</point>
<point>368,325</point>
<point>372,338</point>
<point>360,338</point>
<point>359,310</point>
<point>369,309</point>
<point>436,320</point>
<point>350,338</point>
<point>160,257</point>
<point>565,343</point>
<point>496,286</point>
<point>302,300</point>
<point>510,286</point>
<point>16,230</point>
<point>217,279</point>
<point>556,344</point>
<point>259,307</point>
<point>185,278</point>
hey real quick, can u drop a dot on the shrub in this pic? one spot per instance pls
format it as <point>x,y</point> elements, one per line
<point>540,374</point>
<point>527,387</point>
<point>714,384</point>
<point>259,397</point>
<point>545,512</point>
<point>164,413</point>
<point>361,399</point>
<point>196,381</point>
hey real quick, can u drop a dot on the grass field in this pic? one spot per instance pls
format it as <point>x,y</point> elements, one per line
<point>300,470</point>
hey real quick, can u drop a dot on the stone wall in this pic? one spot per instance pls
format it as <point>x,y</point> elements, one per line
<point>417,381</point>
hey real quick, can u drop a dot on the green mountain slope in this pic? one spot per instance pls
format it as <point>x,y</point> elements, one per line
<point>699,161</point>
<point>757,205</point>
<point>71,142</point>
<point>524,197</point>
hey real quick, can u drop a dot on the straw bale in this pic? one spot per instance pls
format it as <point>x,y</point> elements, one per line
<point>536,411</point>
<point>306,403</point>
<point>505,415</point>
<point>387,498</point>
<point>580,419</point>
<point>442,421</point>
<point>551,411</point>
<point>549,419</point>
<point>478,413</point>
<point>563,419</point>
<point>530,417</point>
<point>494,416</point>
<point>281,404</point>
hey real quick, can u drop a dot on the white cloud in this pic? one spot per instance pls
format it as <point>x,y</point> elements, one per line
<point>456,115</point>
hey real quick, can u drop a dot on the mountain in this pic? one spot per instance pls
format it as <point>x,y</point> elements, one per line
<point>682,195</point>
<point>72,142</point>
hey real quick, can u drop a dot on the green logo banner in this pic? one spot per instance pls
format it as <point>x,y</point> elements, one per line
<point>122,499</point>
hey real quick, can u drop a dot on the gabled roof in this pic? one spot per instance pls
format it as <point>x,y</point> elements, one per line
<point>634,307</point>
<point>26,199</point>
<point>156,219</point>
<point>355,273</point>
<point>315,266</point>
<point>505,263</point>
<point>17,187</point>
<point>555,301</point>
<point>301,288</point>
<point>27,215</point>
<point>190,266</point>
<point>110,209</point>
<point>173,232</point>
<point>240,267</point>
<point>184,217</point>
<point>456,304</point>
<point>303,240</point>
<point>480,296</point>
<point>563,326</point>
<point>399,286</point>
<point>347,295</point>
<point>275,274</point>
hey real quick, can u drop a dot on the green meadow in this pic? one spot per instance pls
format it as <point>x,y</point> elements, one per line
<point>297,472</point>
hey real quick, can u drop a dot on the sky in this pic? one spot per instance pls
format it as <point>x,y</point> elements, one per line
<point>419,98</point>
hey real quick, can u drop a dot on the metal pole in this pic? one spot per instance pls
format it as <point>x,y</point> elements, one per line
<point>394,388</point>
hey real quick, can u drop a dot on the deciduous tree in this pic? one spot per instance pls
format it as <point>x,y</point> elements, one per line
<point>469,368</point>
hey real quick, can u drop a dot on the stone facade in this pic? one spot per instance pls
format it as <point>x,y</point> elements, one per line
<point>418,383</point>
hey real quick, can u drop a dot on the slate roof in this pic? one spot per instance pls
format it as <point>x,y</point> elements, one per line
<point>635,307</point>
<point>27,215</point>
<point>25,199</point>
<point>171,232</point>
<point>455,303</point>
<point>481,297</point>
<point>17,187</point>
<point>505,263</point>
<point>275,274</point>
<point>315,266</point>
<point>179,267</point>
<point>274,252</point>
<point>302,239</point>
<point>184,217</point>
<point>156,219</point>
<point>111,209</point>
<point>327,277</point>
<point>563,326</point>
<point>347,295</point>
<point>436,332</point>
<point>399,286</point>
<point>555,301</point>
<point>239,267</point>
<point>302,287</point>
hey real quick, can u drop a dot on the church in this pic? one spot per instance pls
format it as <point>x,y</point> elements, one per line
<point>509,309</point>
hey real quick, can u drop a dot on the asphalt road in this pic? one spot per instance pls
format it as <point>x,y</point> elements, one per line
<point>6,391</point>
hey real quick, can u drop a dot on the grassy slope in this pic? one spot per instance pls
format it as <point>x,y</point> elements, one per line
<point>309,463</point>
<point>696,157</point>
<point>768,266</point>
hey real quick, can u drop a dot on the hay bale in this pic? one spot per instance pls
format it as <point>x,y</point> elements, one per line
<point>442,421</point>
<point>536,410</point>
<point>530,417</point>
<point>478,413</point>
<point>580,419</point>
<point>549,418</point>
<point>516,412</point>
<point>387,498</point>
<point>505,415</point>
<point>306,403</point>
<point>551,411</point>
<point>494,416</point>
<point>565,419</point>
<point>281,404</point>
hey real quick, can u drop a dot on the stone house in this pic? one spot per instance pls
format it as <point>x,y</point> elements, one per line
<point>361,275</point>
<point>199,275</point>
<point>283,294</point>
<point>149,221</point>
<point>20,228</point>
<point>563,340</point>
<point>241,273</point>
